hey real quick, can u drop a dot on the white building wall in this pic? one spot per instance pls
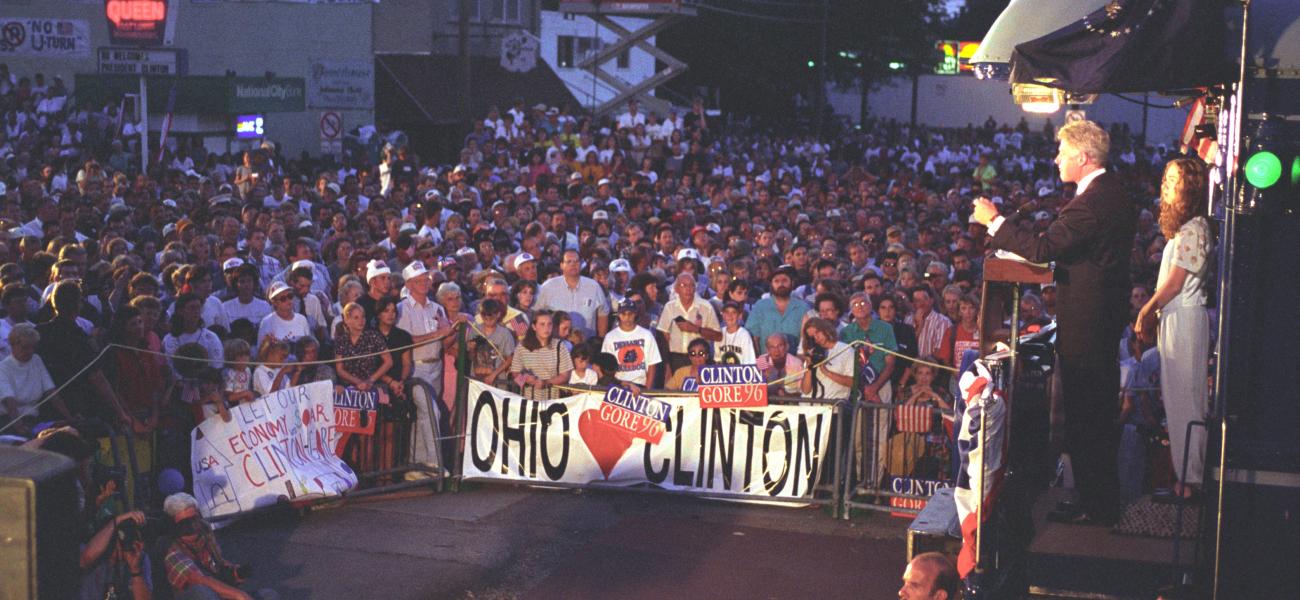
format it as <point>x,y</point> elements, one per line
<point>249,38</point>
<point>589,90</point>
<point>958,101</point>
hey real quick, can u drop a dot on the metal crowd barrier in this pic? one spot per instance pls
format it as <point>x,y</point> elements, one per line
<point>899,458</point>
<point>393,445</point>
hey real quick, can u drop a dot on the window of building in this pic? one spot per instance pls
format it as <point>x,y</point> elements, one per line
<point>475,10</point>
<point>506,11</point>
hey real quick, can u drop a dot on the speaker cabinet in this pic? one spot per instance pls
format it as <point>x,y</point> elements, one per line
<point>38,525</point>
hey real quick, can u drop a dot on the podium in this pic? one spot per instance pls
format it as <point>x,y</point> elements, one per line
<point>1000,295</point>
<point>1002,280</point>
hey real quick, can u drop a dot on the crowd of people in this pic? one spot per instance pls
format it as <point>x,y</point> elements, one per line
<point>572,250</point>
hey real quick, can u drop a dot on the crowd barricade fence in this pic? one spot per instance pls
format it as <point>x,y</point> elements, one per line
<point>393,449</point>
<point>901,454</point>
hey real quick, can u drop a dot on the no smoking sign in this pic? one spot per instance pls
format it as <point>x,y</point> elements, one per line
<point>331,125</point>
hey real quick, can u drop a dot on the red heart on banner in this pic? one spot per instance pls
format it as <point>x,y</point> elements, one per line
<point>605,443</point>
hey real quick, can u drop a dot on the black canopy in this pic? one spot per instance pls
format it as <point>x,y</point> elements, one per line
<point>1130,46</point>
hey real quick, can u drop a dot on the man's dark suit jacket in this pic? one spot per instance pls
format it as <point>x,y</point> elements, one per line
<point>1091,242</point>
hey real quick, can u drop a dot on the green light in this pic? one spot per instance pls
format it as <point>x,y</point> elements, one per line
<point>1295,171</point>
<point>896,65</point>
<point>812,64</point>
<point>1263,169</point>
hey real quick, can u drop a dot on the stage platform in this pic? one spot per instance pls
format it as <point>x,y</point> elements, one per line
<point>1072,561</point>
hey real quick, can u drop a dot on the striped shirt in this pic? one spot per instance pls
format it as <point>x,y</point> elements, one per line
<point>544,363</point>
<point>929,333</point>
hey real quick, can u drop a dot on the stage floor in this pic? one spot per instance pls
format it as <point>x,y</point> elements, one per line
<point>1073,561</point>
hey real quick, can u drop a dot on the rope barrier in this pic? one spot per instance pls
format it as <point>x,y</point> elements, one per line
<point>470,323</point>
<point>114,345</point>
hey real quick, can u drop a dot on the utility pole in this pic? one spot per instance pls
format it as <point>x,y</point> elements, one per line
<point>144,126</point>
<point>466,65</point>
<point>821,70</point>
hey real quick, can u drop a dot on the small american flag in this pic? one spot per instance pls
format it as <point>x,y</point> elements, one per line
<point>912,418</point>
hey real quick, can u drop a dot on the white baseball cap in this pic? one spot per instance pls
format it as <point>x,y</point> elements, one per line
<point>302,263</point>
<point>600,215</point>
<point>620,265</point>
<point>686,253</point>
<point>413,270</point>
<point>376,268</point>
<point>232,263</point>
<point>277,288</point>
<point>522,258</point>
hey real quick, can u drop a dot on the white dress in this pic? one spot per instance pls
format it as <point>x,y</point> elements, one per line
<point>1184,346</point>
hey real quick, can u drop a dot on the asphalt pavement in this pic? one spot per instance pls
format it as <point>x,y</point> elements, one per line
<point>489,542</point>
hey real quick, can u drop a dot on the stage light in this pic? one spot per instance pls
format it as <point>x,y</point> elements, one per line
<point>1270,169</point>
<point>1264,168</point>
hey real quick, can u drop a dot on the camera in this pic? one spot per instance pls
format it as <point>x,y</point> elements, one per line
<point>129,532</point>
<point>815,351</point>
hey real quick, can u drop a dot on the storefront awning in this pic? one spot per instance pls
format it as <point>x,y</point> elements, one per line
<point>200,94</point>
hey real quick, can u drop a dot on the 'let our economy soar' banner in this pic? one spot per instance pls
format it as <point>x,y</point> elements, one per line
<point>278,447</point>
<point>771,452</point>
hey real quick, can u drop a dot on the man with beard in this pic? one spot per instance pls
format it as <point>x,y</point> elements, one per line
<point>780,312</point>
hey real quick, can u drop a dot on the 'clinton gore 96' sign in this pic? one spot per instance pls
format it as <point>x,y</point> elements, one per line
<point>772,452</point>
<point>732,386</point>
<point>637,416</point>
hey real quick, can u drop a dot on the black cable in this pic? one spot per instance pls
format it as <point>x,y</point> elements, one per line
<point>737,13</point>
<point>1142,102</point>
<point>778,3</point>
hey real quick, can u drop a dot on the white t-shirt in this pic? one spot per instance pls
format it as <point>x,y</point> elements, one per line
<point>840,362</point>
<point>203,337</point>
<point>636,351</point>
<point>214,313</point>
<point>254,311</point>
<point>735,348</point>
<point>288,331</point>
<point>630,121</point>
<point>587,378</point>
<point>24,382</point>
<point>264,379</point>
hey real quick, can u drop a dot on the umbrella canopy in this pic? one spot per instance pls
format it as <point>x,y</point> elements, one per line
<point>1131,46</point>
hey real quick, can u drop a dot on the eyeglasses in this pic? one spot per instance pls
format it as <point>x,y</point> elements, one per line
<point>282,298</point>
<point>860,304</point>
<point>699,353</point>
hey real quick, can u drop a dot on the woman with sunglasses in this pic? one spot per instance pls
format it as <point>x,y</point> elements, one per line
<point>700,354</point>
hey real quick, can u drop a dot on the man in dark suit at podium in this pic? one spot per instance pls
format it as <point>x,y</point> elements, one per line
<point>1090,242</point>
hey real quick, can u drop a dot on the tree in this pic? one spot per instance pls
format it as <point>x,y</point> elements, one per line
<point>875,41</point>
<point>760,55</point>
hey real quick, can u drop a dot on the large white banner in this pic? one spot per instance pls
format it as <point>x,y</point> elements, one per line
<point>279,447</point>
<point>341,84</point>
<point>771,452</point>
<point>44,37</point>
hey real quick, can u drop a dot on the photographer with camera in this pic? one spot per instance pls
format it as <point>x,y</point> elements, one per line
<point>114,563</point>
<point>828,362</point>
<point>195,568</point>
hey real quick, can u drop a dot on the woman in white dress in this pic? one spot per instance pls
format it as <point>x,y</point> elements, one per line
<point>1183,330</point>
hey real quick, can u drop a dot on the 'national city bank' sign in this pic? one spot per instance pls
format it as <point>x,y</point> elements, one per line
<point>260,95</point>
